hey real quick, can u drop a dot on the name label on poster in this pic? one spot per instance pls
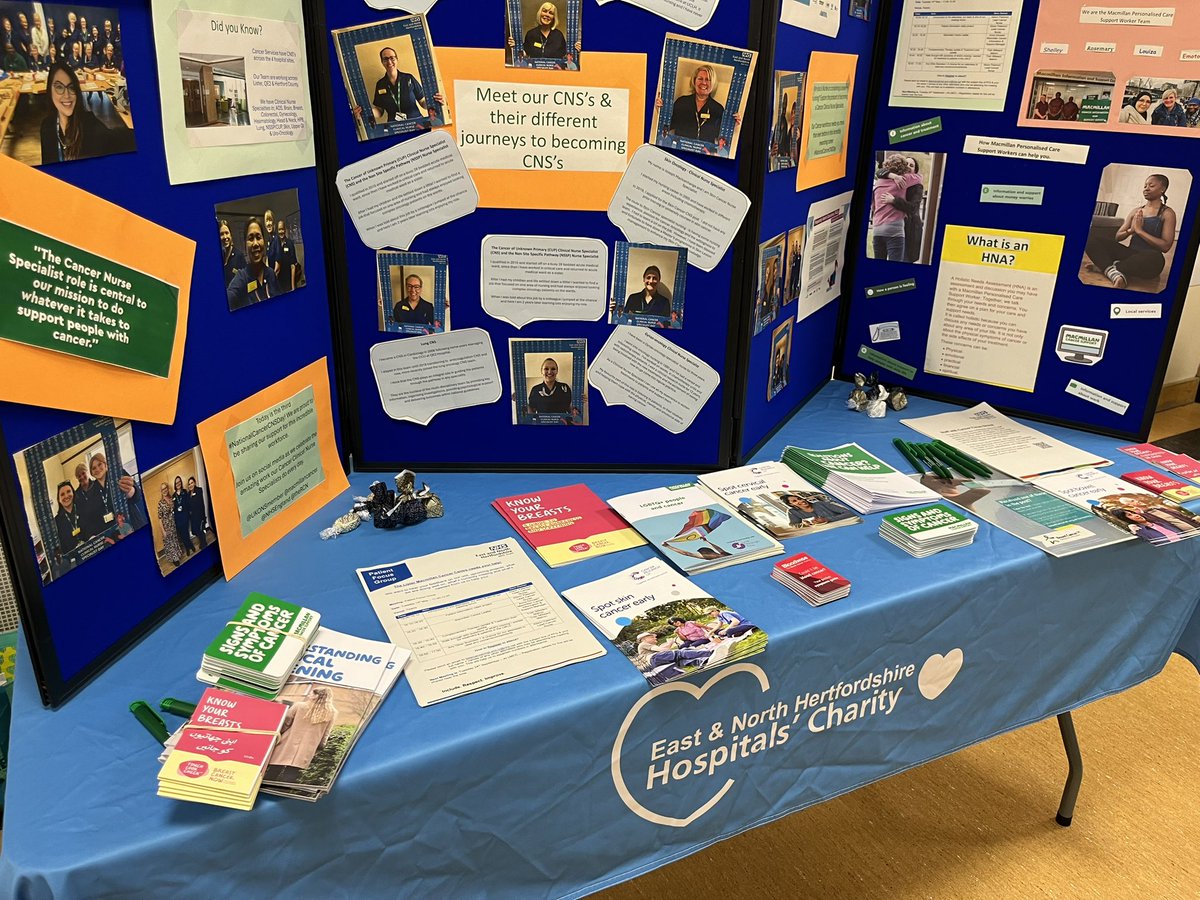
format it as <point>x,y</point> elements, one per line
<point>894,287</point>
<point>569,128</point>
<point>1148,50</point>
<point>1095,395</point>
<point>915,130</point>
<point>1016,194</point>
<point>1039,151</point>
<point>1056,49</point>
<point>887,362</point>
<point>1100,47</point>
<point>62,298</point>
<point>1189,56</point>
<point>1162,16</point>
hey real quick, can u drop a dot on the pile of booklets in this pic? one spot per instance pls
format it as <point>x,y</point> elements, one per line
<point>221,753</point>
<point>332,696</point>
<point>258,648</point>
<point>810,580</point>
<point>932,529</point>
<point>864,482</point>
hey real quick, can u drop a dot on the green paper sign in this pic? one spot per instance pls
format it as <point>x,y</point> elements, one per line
<point>1016,194</point>
<point>827,121</point>
<point>915,130</point>
<point>886,362</point>
<point>62,298</point>
<point>893,287</point>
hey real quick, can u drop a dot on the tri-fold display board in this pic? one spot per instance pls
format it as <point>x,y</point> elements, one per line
<point>520,235</point>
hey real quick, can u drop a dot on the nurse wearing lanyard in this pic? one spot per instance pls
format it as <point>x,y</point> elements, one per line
<point>257,281</point>
<point>66,520</point>
<point>697,115</point>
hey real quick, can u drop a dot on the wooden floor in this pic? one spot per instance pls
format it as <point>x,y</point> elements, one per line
<point>979,825</point>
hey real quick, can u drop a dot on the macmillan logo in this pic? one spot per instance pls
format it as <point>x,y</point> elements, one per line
<point>677,761</point>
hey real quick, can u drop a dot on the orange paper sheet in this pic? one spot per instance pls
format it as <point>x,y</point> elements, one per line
<point>237,551</point>
<point>534,189</point>
<point>825,68</point>
<point>42,377</point>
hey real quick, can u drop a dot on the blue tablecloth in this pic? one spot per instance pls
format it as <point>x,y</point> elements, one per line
<point>568,781</point>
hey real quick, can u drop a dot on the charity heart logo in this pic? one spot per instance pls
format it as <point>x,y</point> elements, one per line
<point>938,673</point>
<point>696,693</point>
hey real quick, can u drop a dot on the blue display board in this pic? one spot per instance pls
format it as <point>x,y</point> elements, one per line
<point>1075,202</point>
<point>78,623</point>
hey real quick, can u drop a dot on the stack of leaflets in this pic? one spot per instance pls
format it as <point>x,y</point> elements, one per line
<point>222,751</point>
<point>1148,517</point>
<point>664,624</point>
<point>567,524</point>
<point>924,532</point>
<point>331,696</point>
<point>257,650</point>
<point>774,498</point>
<point>1158,483</point>
<point>813,582</point>
<point>693,529</point>
<point>865,482</point>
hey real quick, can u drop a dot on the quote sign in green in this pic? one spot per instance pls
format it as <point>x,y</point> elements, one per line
<point>827,120</point>
<point>62,298</point>
<point>915,130</point>
<point>884,361</point>
<point>275,458</point>
<point>1016,194</point>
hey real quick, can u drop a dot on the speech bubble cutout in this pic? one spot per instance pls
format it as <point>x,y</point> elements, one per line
<point>693,14</point>
<point>527,279</point>
<point>663,200</point>
<point>412,6</point>
<point>619,744</point>
<point>938,672</point>
<point>407,190</point>
<point>644,371</point>
<point>410,374</point>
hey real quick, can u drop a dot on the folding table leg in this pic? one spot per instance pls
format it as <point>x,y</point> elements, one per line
<point>1066,807</point>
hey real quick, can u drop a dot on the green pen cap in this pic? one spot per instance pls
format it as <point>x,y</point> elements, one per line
<point>151,721</point>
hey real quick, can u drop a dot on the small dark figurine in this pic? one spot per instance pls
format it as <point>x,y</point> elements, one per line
<point>390,509</point>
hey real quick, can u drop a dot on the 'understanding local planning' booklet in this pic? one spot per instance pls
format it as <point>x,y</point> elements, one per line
<point>474,617</point>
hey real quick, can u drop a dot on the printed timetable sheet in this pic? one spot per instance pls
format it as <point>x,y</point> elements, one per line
<point>955,54</point>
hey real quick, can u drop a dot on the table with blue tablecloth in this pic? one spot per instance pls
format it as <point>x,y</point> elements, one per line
<point>571,780</point>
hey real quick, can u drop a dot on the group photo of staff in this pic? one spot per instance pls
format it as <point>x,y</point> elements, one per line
<point>180,511</point>
<point>63,94</point>
<point>1134,232</point>
<point>905,198</point>
<point>788,118</point>
<point>82,494</point>
<point>262,248</point>
<point>1161,102</point>
<point>543,34</point>
<point>1070,96</point>
<point>392,77</point>
<point>702,92</point>
<point>768,298</point>
<point>549,379</point>
<point>648,286</point>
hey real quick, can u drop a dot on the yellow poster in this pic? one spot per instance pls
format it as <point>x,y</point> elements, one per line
<point>536,139</point>
<point>272,461</point>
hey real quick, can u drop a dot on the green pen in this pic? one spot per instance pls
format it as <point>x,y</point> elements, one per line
<point>976,467</point>
<point>909,455</point>
<point>938,469</point>
<point>151,721</point>
<point>949,461</point>
<point>180,708</point>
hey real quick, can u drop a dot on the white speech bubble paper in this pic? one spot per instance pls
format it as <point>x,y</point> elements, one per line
<point>527,279</point>
<point>413,380</point>
<point>644,371</point>
<point>693,14</point>
<point>412,6</point>
<point>407,189</point>
<point>663,200</point>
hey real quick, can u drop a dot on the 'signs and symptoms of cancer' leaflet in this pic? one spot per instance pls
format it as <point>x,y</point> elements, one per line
<point>955,54</point>
<point>474,617</point>
<point>1003,444</point>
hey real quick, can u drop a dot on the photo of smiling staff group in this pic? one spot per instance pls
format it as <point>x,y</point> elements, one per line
<point>63,95</point>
